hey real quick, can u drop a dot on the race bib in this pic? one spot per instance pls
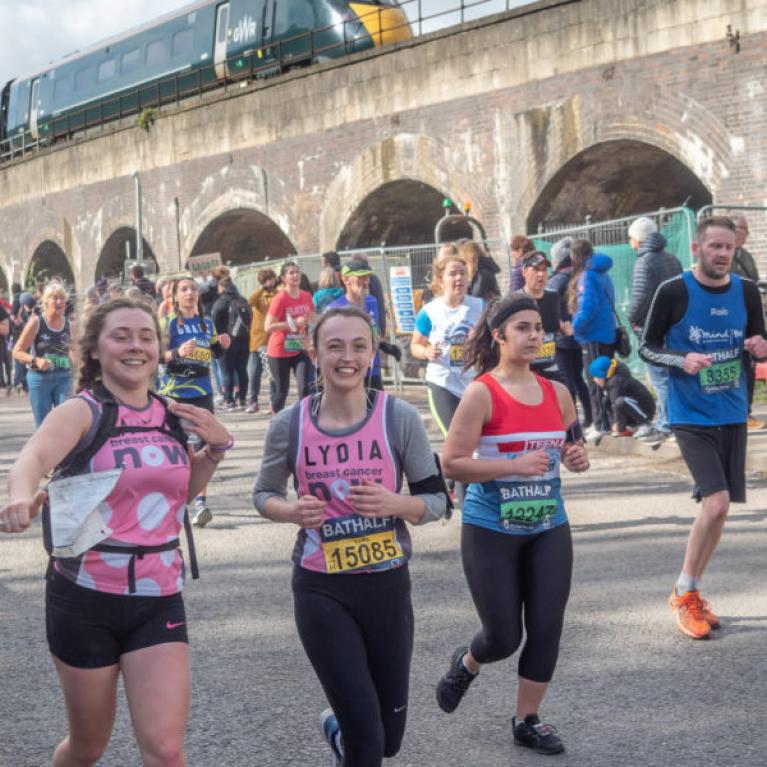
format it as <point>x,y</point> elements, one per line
<point>546,352</point>
<point>528,511</point>
<point>200,354</point>
<point>294,343</point>
<point>59,361</point>
<point>721,376</point>
<point>456,355</point>
<point>360,553</point>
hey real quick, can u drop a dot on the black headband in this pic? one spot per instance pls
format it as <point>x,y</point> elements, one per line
<point>517,303</point>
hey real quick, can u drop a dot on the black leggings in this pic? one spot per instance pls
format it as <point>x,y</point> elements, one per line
<point>280,368</point>
<point>511,573</point>
<point>357,631</point>
<point>570,364</point>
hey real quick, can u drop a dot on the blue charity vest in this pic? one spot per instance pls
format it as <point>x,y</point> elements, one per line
<point>715,324</point>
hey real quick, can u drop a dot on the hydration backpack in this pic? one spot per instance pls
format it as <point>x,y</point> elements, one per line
<point>77,462</point>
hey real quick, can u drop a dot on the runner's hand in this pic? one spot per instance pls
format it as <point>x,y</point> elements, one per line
<point>532,464</point>
<point>42,364</point>
<point>694,362</point>
<point>757,346</point>
<point>16,516</point>
<point>225,340</point>
<point>187,348</point>
<point>308,511</point>
<point>433,352</point>
<point>373,500</point>
<point>201,422</point>
<point>575,458</point>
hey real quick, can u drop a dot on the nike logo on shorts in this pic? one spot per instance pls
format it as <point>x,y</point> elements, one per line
<point>399,709</point>
<point>170,626</point>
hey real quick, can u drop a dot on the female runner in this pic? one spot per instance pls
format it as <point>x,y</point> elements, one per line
<point>347,449</point>
<point>192,345</point>
<point>442,327</point>
<point>515,539</point>
<point>45,347</point>
<point>109,613</point>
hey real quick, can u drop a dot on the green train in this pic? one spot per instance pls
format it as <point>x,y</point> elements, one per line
<point>184,53</point>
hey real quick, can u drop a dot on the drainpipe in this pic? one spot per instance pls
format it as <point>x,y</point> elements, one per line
<point>139,236</point>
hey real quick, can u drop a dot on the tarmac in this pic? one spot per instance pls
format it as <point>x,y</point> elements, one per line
<point>629,689</point>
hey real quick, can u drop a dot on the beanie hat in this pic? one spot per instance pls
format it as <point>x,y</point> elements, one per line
<point>642,228</point>
<point>600,367</point>
<point>560,250</point>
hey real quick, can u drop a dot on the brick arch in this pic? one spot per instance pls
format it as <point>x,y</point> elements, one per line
<point>47,225</point>
<point>230,188</point>
<point>405,156</point>
<point>678,126</point>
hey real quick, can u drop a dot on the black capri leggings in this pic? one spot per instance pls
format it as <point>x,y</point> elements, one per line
<point>509,574</point>
<point>357,631</point>
<point>280,368</point>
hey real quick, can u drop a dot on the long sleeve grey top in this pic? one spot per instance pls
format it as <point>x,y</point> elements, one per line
<point>409,439</point>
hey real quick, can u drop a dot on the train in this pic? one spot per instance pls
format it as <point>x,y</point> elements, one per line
<point>184,53</point>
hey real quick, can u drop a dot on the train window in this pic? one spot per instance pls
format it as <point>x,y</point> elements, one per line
<point>155,54</point>
<point>223,23</point>
<point>130,61</point>
<point>107,69</point>
<point>182,43</point>
<point>62,88</point>
<point>85,78</point>
<point>294,16</point>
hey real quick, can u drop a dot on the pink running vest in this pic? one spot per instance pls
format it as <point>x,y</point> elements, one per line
<point>145,508</point>
<point>326,465</point>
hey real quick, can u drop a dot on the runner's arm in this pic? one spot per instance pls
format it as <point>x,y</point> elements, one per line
<point>24,342</point>
<point>270,490</point>
<point>57,436</point>
<point>418,462</point>
<point>754,312</point>
<point>669,305</point>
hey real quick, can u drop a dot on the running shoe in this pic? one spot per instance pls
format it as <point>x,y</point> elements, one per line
<point>453,686</point>
<point>643,431</point>
<point>652,437</point>
<point>532,733</point>
<point>755,423</point>
<point>252,408</point>
<point>624,433</point>
<point>708,614</point>
<point>331,731</point>
<point>594,435</point>
<point>201,514</point>
<point>689,615</point>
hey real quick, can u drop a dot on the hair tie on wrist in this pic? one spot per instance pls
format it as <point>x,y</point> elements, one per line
<point>222,448</point>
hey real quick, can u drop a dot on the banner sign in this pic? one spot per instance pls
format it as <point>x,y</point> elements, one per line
<point>203,263</point>
<point>401,281</point>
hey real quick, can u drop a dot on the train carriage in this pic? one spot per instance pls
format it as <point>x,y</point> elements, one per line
<point>184,53</point>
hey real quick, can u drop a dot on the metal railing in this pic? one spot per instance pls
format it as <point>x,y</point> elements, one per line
<point>269,60</point>
<point>381,260</point>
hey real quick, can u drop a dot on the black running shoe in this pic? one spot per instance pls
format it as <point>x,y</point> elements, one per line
<point>534,734</point>
<point>452,687</point>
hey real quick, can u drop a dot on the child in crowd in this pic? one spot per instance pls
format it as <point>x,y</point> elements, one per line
<point>631,403</point>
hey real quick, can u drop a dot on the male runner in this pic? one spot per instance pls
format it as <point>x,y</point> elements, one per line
<point>701,325</point>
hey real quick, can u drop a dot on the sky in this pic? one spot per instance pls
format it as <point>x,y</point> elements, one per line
<point>36,33</point>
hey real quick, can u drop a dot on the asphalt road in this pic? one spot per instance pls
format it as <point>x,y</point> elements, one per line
<point>629,690</point>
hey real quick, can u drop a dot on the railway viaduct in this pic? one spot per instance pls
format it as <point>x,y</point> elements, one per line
<point>541,114</point>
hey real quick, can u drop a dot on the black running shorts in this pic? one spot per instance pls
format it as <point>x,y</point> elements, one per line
<point>716,458</point>
<point>91,629</point>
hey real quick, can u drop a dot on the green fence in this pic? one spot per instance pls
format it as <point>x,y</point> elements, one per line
<point>611,238</point>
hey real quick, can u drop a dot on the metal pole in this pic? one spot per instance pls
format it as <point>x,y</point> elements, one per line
<point>139,236</point>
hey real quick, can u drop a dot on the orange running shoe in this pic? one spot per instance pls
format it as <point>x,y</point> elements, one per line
<point>708,615</point>
<point>688,611</point>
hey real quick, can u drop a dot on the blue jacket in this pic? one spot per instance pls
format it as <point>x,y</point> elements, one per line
<point>594,319</point>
